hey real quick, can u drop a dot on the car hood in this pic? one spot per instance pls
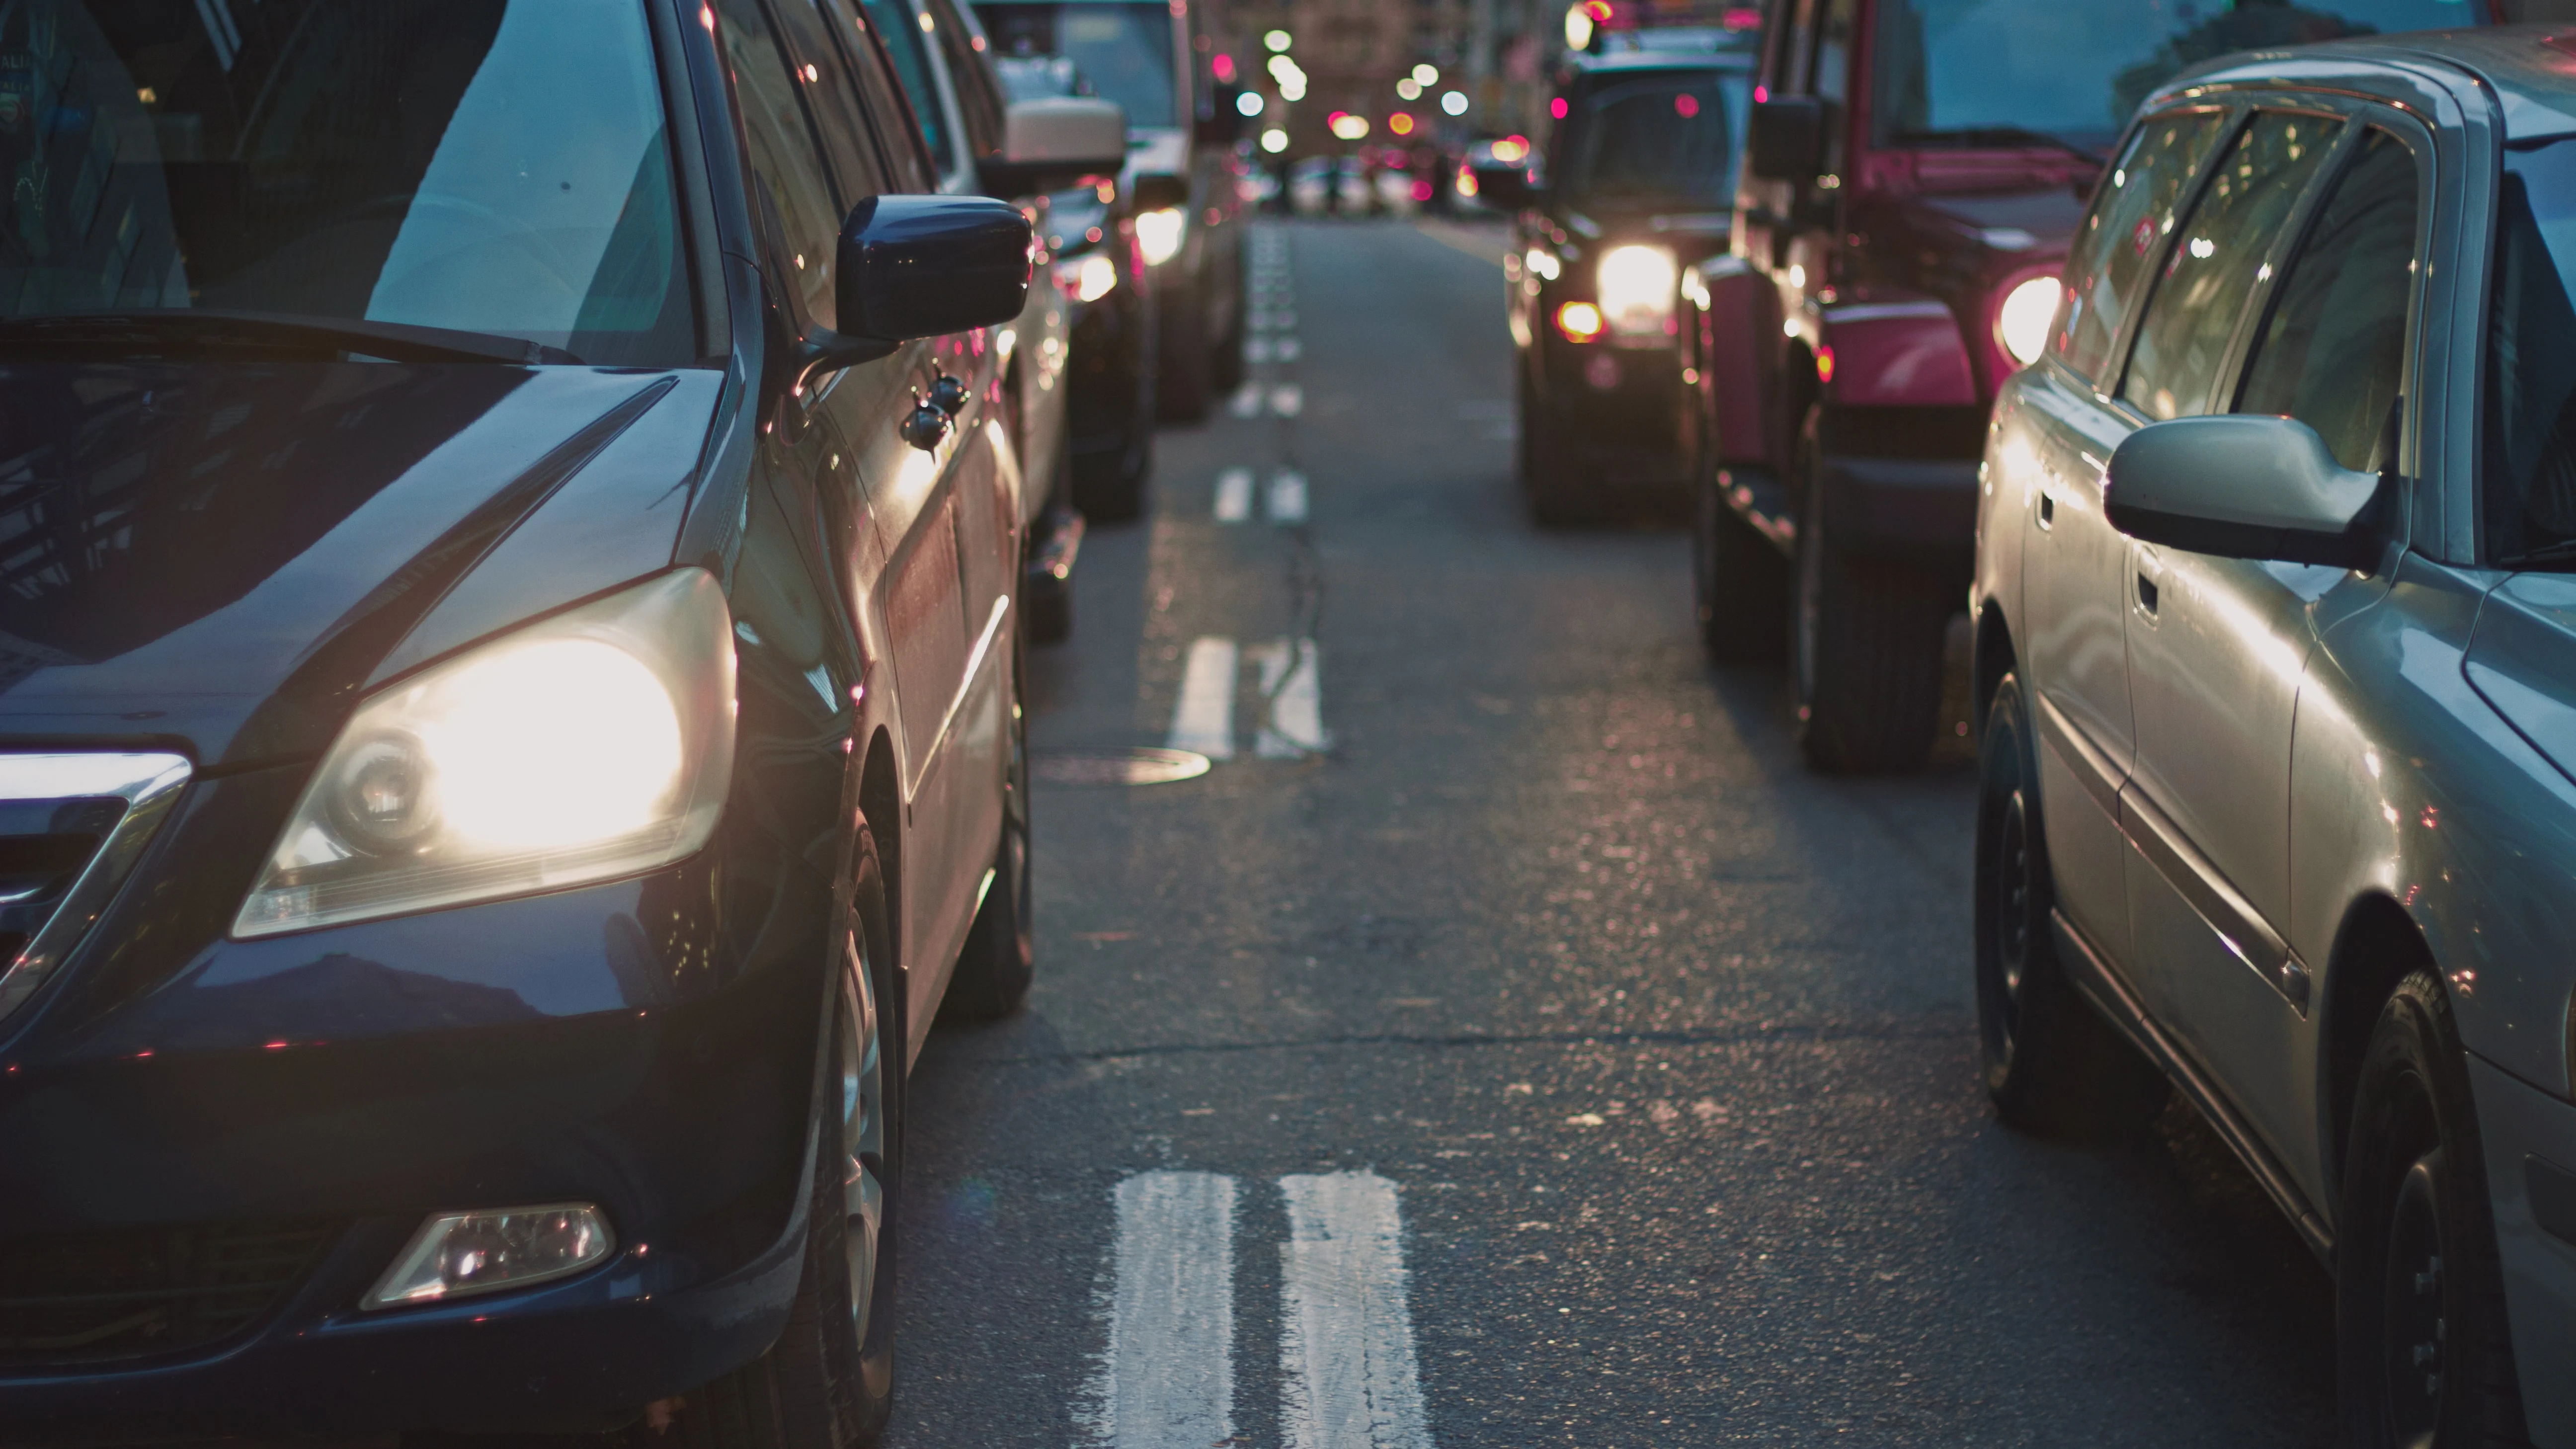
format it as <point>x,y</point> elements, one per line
<point>218,557</point>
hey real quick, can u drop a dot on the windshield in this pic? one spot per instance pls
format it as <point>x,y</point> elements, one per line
<point>1123,51</point>
<point>492,166</point>
<point>1661,142</point>
<point>1957,71</point>
<point>2530,463</point>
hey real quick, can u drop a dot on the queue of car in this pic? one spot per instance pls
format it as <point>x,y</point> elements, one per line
<point>523,525</point>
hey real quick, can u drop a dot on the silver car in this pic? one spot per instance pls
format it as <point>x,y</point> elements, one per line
<point>2276,665</point>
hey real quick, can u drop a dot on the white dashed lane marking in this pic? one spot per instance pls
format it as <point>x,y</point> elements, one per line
<point>1168,1380</point>
<point>1287,502</point>
<point>1292,680</point>
<point>1350,1378</point>
<point>1287,400</point>
<point>1203,719</point>
<point>1234,495</point>
<point>1246,402</point>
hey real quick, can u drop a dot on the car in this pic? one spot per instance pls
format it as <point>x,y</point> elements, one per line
<point>1154,57</point>
<point>1311,180</point>
<point>945,65</point>
<point>1898,232</point>
<point>2275,654</point>
<point>1632,185</point>
<point>510,727</point>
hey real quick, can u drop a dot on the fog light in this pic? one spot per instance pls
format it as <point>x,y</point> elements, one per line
<point>1579,321</point>
<point>455,1255</point>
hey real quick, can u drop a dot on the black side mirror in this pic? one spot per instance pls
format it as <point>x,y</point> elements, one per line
<point>920,266</point>
<point>1786,141</point>
<point>1154,193</point>
<point>1506,188</point>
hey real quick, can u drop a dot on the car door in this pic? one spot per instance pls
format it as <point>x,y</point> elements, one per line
<point>2073,562</point>
<point>2218,647</point>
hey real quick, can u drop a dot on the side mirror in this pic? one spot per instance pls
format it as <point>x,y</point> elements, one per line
<point>1052,143</point>
<point>2242,486</point>
<point>921,266</point>
<point>1786,141</point>
<point>1159,191</point>
<point>1505,188</point>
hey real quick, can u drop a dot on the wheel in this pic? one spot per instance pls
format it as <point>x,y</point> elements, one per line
<point>1183,387</point>
<point>1548,479</point>
<point>1867,636</point>
<point>2425,1357</point>
<point>1740,583</point>
<point>828,1383</point>
<point>2052,1064</point>
<point>1000,956</point>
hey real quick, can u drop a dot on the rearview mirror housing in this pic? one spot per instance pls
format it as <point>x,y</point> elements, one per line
<point>2243,486</point>
<point>922,266</point>
<point>1055,143</point>
<point>1786,140</point>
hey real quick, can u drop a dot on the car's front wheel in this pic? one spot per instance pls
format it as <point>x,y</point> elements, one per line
<point>1740,583</point>
<point>2425,1354</point>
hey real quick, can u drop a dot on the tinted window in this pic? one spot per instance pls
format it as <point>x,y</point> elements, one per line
<point>2116,245</point>
<point>898,127</point>
<point>2209,274</point>
<point>832,100</point>
<point>2333,352</point>
<point>2530,464</point>
<point>496,166</point>
<point>1124,50</point>
<point>1958,71</point>
<point>907,48</point>
<point>970,66</point>
<point>1657,143</point>
<point>783,153</point>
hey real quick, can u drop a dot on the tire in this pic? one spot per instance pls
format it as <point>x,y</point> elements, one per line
<point>2424,1354</point>
<point>1548,480</point>
<point>828,1383</point>
<point>1183,389</point>
<point>1000,956</point>
<point>1866,643</point>
<point>1739,582</point>
<point>2053,1066</point>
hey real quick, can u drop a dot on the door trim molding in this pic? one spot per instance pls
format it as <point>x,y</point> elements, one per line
<point>2240,927</point>
<point>2083,759</point>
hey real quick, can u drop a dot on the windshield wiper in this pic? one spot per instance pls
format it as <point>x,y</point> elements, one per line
<point>196,330</point>
<point>1997,136</point>
<point>2560,552</point>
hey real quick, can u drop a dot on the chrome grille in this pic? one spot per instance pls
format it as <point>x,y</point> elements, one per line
<point>71,828</point>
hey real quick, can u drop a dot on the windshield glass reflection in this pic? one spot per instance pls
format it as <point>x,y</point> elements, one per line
<point>1124,51</point>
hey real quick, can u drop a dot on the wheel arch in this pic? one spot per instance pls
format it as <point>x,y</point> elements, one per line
<point>2376,946</point>
<point>1990,659</point>
<point>881,809</point>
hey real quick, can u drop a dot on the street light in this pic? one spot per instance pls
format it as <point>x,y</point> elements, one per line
<point>1454,103</point>
<point>1248,103</point>
<point>1277,40</point>
<point>1426,74</point>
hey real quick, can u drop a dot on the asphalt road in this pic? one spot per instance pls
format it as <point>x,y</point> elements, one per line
<point>1547,1058</point>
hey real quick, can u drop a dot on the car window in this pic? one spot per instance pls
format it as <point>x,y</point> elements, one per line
<point>2333,352</point>
<point>2530,452</point>
<point>2115,246</point>
<point>898,126</point>
<point>1124,49</point>
<point>970,56</point>
<point>907,48</point>
<point>2210,270</point>
<point>1655,143</point>
<point>783,153</point>
<point>832,99</point>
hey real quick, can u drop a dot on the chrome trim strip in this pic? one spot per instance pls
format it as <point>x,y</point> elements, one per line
<point>2238,925</point>
<point>1886,311</point>
<point>2083,759</point>
<point>149,784</point>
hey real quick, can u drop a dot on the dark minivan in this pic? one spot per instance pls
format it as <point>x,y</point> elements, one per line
<point>509,709</point>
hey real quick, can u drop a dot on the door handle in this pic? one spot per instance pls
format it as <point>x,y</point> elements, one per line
<point>2146,594</point>
<point>925,427</point>
<point>2047,508</point>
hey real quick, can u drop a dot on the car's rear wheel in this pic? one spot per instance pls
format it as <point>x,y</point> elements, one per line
<point>828,1383</point>
<point>1866,645</point>
<point>1000,958</point>
<point>1740,583</point>
<point>2425,1353</point>
<point>2052,1064</point>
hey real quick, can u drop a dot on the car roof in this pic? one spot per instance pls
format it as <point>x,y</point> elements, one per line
<point>2531,69</point>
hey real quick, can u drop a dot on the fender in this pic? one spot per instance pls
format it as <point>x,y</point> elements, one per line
<point>1904,353</point>
<point>1739,320</point>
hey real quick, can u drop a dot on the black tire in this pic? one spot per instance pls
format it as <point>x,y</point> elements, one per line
<point>1549,481</point>
<point>1866,641</point>
<point>2052,1064</point>
<point>2424,1354</point>
<point>1183,390</point>
<point>1739,582</point>
<point>828,1383</point>
<point>1000,956</point>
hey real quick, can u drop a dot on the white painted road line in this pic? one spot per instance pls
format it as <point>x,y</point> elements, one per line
<point>1246,402</point>
<point>1285,349</point>
<point>1292,680</point>
<point>1234,495</point>
<point>1287,400</point>
<point>1203,719</point>
<point>1168,1380</point>
<point>1256,349</point>
<point>1350,1379</point>
<point>1287,496</point>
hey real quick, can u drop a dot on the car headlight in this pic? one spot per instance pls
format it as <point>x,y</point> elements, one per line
<point>2021,323</point>
<point>594,744</point>
<point>1086,279</point>
<point>1637,286</point>
<point>1158,234</point>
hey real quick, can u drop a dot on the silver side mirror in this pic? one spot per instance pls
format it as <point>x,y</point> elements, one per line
<point>1055,143</point>
<point>2242,486</point>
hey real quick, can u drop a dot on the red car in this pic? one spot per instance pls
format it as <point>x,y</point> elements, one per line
<point>1913,172</point>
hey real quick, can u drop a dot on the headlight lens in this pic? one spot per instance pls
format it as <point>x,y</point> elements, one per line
<point>1638,284</point>
<point>2021,323</point>
<point>1158,235</point>
<point>591,745</point>
<point>1087,279</point>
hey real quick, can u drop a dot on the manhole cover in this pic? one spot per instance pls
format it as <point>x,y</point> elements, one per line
<point>1118,767</point>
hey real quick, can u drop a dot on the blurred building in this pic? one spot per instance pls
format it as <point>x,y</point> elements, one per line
<point>1352,54</point>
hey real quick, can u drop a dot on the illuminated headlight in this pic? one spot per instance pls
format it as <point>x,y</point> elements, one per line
<point>2021,323</point>
<point>584,747</point>
<point>455,1255</point>
<point>1158,235</point>
<point>1638,285</point>
<point>1087,279</point>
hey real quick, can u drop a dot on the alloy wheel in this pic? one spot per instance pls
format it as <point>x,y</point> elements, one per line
<point>862,1155</point>
<point>2412,1321</point>
<point>2009,880</point>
